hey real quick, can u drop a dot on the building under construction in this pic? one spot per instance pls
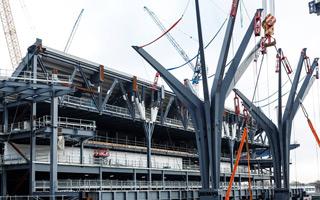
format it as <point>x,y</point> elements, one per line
<point>75,129</point>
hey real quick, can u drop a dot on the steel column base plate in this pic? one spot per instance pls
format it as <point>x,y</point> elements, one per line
<point>281,194</point>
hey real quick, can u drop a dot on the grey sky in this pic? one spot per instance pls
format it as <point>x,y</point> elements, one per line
<point>109,28</point>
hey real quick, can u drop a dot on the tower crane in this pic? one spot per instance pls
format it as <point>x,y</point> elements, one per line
<point>73,31</point>
<point>195,68</point>
<point>10,33</point>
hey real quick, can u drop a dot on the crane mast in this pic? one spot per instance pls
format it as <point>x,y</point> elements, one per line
<point>10,33</point>
<point>196,69</point>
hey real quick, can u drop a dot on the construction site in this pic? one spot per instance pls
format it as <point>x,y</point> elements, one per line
<point>77,129</point>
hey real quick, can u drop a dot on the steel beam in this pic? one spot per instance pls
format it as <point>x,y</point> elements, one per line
<point>304,89</point>
<point>243,67</point>
<point>109,92</point>
<point>165,114</point>
<point>219,90</point>
<point>195,106</point>
<point>4,182</point>
<point>292,106</point>
<point>286,123</point>
<point>85,79</point>
<point>126,98</point>
<point>294,86</point>
<point>271,131</point>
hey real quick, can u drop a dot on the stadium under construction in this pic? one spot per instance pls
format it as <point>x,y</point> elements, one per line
<point>75,129</point>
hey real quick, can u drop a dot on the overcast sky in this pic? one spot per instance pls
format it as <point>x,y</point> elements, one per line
<point>109,28</point>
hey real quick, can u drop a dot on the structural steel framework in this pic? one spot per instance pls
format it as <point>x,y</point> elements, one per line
<point>207,115</point>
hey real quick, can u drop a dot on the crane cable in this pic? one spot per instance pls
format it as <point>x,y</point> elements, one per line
<point>194,57</point>
<point>168,30</point>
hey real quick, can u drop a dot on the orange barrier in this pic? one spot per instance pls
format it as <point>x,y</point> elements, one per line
<point>243,139</point>
<point>314,131</point>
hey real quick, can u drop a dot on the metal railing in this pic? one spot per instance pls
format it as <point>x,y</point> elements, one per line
<point>123,163</point>
<point>33,197</point>
<point>120,162</point>
<point>137,143</point>
<point>5,74</point>
<point>116,110</point>
<point>67,122</point>
<point>87,185</point>
<point>44,121</point>
<point>28,76</point>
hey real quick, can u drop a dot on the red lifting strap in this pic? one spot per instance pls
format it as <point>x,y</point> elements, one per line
<point>257,24</point>
<point>236,105</point>
<point>164,33</point>
<point>155,82</point>
<point>314,131</point>
<point>307,64</point>
<point>287,65</point>
<point>277,63</point>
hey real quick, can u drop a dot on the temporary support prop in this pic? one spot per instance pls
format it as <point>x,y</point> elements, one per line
<point>209,112</point>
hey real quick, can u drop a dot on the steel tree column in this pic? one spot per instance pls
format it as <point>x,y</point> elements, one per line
<point>53,146</point>
<point>201,118</point>
<point>148,131</point>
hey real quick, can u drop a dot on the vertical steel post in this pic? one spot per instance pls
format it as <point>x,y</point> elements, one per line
<point>163,180</point>
<point>53,146</point>
<point>231,145</point>
<point>33,140</point>
<point>81,151</point>
<point>5,130</point>
<point>148,130</point>
<point>135,179</point>
<point>5,117</point>
<point>4,181</point>
<point>100,177</point>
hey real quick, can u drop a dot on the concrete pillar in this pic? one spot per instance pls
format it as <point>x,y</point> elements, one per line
<point>53,147</point>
